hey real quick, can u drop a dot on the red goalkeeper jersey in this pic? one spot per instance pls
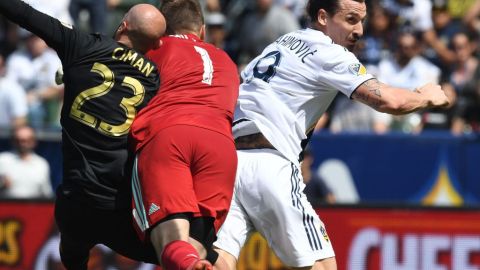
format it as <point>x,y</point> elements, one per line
<point>198,86</point>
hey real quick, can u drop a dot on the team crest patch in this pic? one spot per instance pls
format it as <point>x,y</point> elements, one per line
<point>357,69</point>
<point>324,233</point>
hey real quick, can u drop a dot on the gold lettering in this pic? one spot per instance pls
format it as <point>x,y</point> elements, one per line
<point>256,255</point>
<point>131,56</point>
<point>139,64</point>
<point>274,261</point>
<point>9,242</point>
<point>118,50</point>
<point>147,69</point>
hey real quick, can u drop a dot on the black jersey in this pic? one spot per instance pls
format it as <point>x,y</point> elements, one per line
<point>106,84</point>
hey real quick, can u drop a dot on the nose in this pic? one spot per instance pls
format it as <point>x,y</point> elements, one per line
<point>358,30</point>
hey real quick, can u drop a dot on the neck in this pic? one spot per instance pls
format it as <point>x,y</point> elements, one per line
<point>24,155</point>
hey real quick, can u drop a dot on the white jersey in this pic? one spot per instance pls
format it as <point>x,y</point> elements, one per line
<point>290,85</point>
<point>29,178</point>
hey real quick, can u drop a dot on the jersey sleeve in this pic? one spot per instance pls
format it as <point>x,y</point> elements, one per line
<point>341,70</point>
<point>60,36</point>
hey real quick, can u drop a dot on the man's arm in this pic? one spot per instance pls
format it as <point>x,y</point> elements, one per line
<point>392,100</point>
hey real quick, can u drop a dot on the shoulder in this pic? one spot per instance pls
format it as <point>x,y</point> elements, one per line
<point>6,156</point>
<point>331,56</point>
<point>91,41</point>
<point>422,61</point>
<point>11,85</point>
<point>18,57</point>
<point>40,160</point>
<point>50,55</point>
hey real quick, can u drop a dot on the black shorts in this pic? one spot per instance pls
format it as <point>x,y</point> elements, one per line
<point>82,227</point>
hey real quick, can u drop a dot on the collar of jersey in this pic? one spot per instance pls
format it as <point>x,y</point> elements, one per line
<point>187,36</point>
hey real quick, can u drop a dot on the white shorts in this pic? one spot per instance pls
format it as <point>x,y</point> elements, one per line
<point>269,198</point>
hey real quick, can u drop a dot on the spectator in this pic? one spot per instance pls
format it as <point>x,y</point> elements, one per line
<point>8,37</point>
<point>459,9</point>
<point>471,18</point>
<point>261,27</point>
<point>407,69</point>
<point>378,38</point>
<point>297,7</point>
<point>23,173</point>
<point>316,189</point>
<point>465,80</point>
<point>214,22</point>
<point>416,16</point>
<point>34,67</point>
<point>13,102</point>
<point>97,13</point>
<point>445,27</point>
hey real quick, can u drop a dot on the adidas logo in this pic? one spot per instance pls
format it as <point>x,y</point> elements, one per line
<point>153,208</point>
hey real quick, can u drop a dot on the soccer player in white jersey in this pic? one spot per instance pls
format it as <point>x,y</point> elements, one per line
<point>284,92</point>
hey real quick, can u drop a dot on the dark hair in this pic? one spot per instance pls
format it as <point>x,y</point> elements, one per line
<point>182,16</point>
<point>330,6</point>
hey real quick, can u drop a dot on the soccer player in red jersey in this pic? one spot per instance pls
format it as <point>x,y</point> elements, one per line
<point>186,162</point>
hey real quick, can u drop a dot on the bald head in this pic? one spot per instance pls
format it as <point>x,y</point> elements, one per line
<point>141,28</point>
<point>24,140</point>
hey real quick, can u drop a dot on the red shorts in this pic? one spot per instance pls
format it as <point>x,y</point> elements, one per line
<point>184,169</point>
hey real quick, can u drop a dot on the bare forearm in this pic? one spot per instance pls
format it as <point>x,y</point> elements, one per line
<point>388,99</point>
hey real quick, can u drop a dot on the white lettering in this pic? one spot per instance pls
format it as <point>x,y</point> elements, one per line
<point>463,247</point>
<point>431,246</point>
<point>412,251</point>
<point>391,258</point>
<point>365,240</point>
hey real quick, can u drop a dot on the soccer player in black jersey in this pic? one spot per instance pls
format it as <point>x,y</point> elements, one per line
<point>106,82</point>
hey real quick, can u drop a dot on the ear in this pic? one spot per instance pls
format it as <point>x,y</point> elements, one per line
<point>121,28</point>
<point>203,32</point>
<point>322,17</point>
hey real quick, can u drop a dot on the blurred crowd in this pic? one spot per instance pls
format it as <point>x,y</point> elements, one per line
<point>406,43</point>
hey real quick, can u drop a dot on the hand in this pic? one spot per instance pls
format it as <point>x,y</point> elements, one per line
<point>434,95</point>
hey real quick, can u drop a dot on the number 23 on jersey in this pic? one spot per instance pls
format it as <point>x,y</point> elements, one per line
<point>127,104</point>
